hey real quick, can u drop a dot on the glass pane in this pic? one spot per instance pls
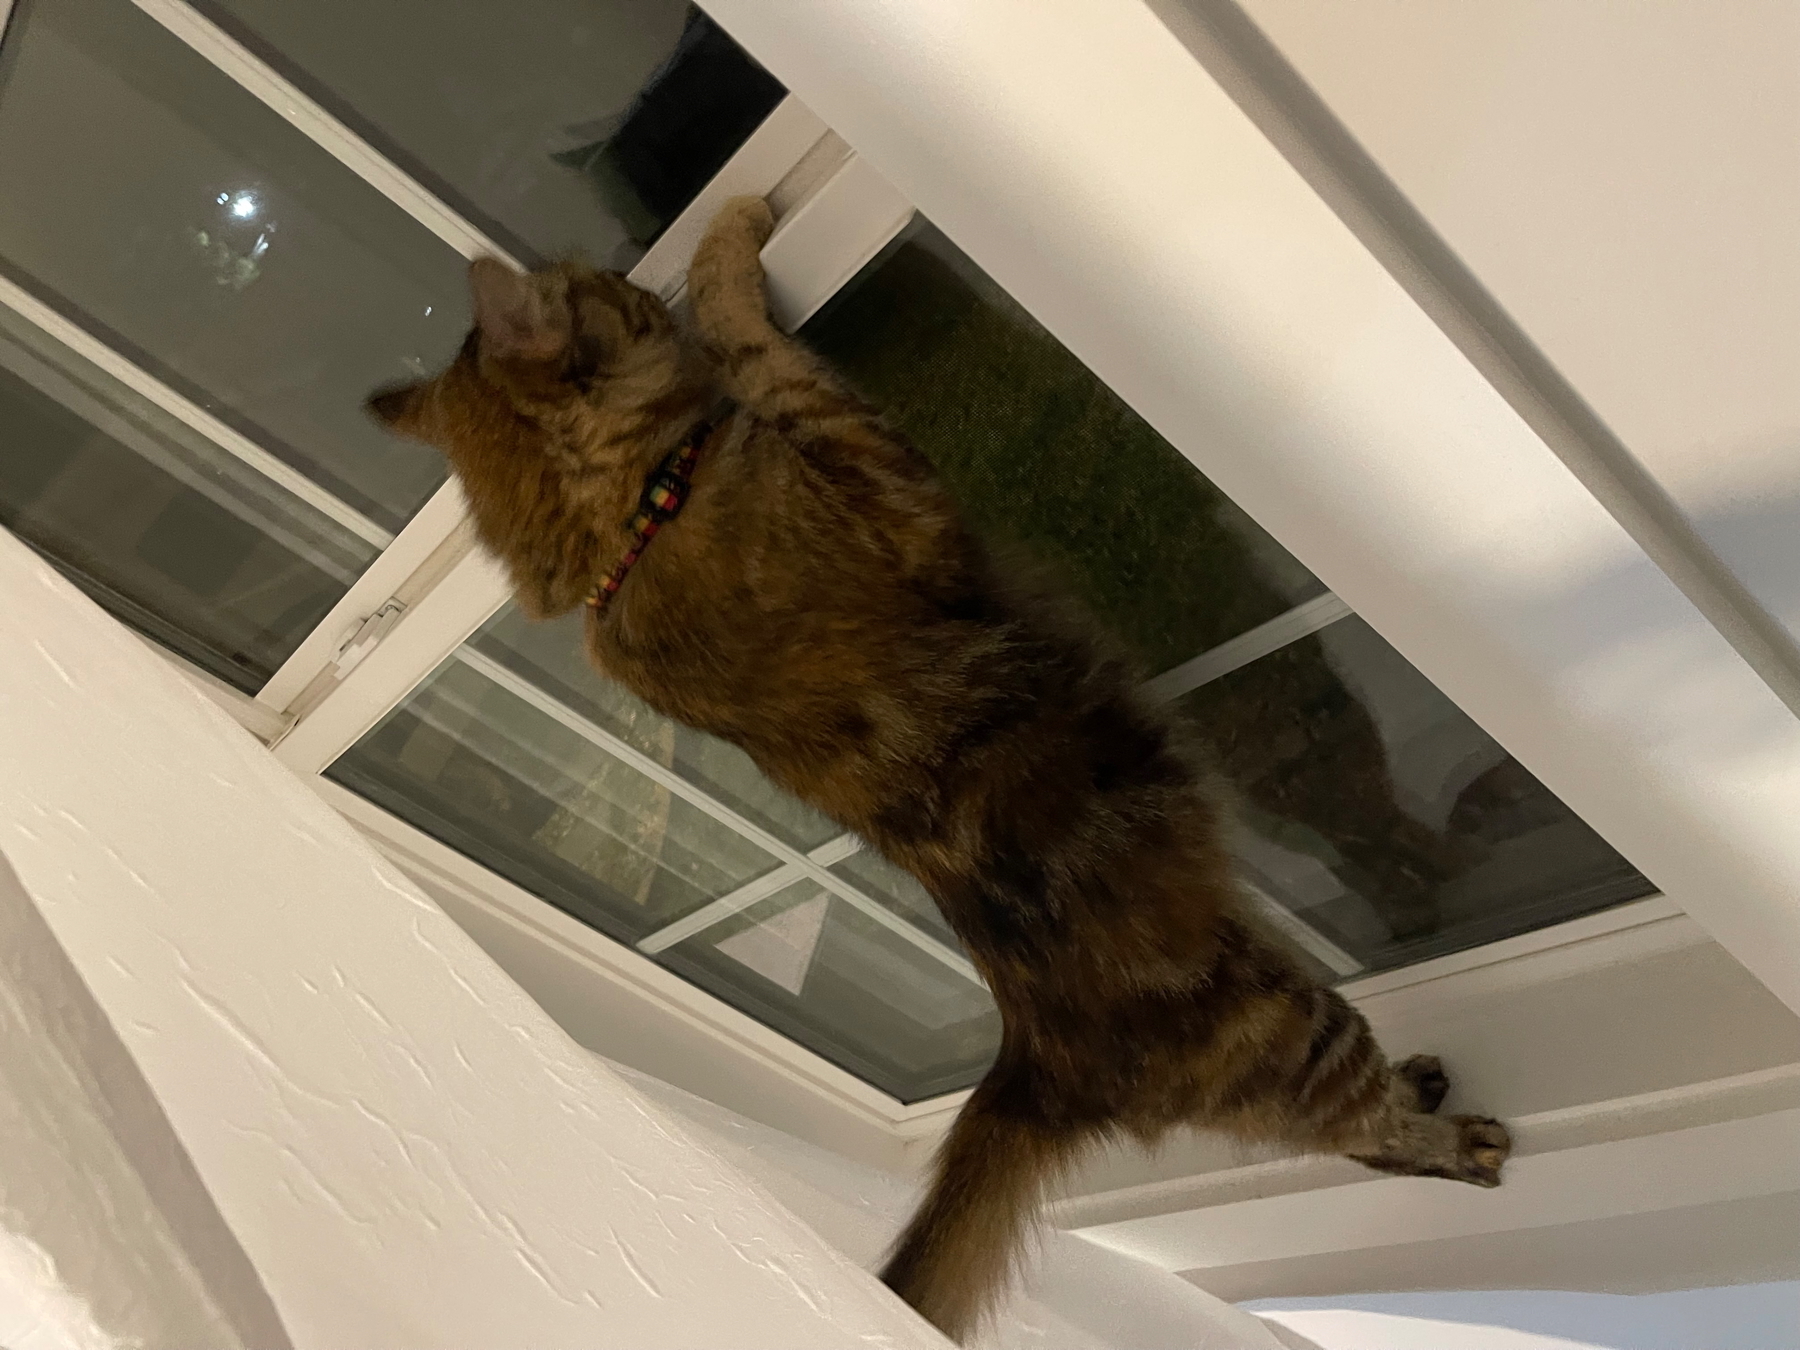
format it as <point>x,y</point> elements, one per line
<point>1383,817</point>
<point>551,657</point>
<point>880,880</point>
<point>174,215</point>
<point>492,766</point>
<point>163,527</point>
<point>818,970</point>
<point>561,126</point>
<point>1038,449</point>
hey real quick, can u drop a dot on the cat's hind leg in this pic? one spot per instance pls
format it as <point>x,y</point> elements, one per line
<point>1304,1070</point>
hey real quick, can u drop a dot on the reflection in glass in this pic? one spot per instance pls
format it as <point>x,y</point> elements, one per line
<point>561,126</point>
<point>1037,449</point>
<point>508,755</point>
<point>879,879</point>
<point>816,969</point>
<point>499,770</point>
<point>551,657</point>
<point>1386,819</point>
<point>175,536</point>
<point>178,218</point>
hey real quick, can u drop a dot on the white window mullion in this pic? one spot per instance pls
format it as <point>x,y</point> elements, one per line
<point>805,865</point>
<point>773,149</point>
<point>1263,640</point>
<point>735,902</point>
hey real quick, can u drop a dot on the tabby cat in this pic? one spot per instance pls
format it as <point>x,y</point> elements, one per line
<point>820,603</point>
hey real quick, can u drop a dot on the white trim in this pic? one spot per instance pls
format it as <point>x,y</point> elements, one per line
<point>810,173</point>
<point>1684,1106</point>
<point>233,442</point>
<point>1655,920</point>
<point>772,151</point>
<point>658,773</point>
<point>1734,1158</point>
<point>829,238</point>
<point>257,78</point>
<point>430,526</point>
<point>1297,930</point>
<point>1263,640</point>
<point>259,720</point>
<point>429,632</point>
<point>614,961</point>
<point>831,851</point>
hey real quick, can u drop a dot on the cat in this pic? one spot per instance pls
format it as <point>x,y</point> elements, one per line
<point>820,603</point>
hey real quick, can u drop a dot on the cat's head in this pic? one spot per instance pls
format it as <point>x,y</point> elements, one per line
<point>549,345</point>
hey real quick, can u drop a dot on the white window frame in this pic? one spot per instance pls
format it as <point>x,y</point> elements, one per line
<point>842,213</point>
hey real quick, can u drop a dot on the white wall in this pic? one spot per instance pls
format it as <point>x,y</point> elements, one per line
<point>107,1237</point>
<point>1073,1295</point>
<point>408,1150</point>
<point>1744,1317</point>
<point>1625,179</point>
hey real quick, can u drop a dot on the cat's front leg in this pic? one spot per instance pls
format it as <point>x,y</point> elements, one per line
<point>760,365</point>
<point>725,282</point>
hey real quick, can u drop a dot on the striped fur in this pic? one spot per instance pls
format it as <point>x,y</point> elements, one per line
<point>821,604</point>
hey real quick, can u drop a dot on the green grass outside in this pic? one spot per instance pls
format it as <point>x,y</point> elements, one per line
<point>1036,448</point>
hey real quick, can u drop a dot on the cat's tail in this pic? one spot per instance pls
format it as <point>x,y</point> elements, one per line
<point>956,1256</point>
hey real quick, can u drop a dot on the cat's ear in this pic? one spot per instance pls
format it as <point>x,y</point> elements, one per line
<point>401,410</point>
<point>520,317</point>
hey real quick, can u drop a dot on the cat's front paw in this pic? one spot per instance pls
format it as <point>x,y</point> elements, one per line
<point>745,218</point>
<point>725,283</point>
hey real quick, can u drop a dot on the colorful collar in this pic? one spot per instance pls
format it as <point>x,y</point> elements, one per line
<point>665,493</point>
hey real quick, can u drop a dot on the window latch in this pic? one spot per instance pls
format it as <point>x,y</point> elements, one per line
<point>366,636</point>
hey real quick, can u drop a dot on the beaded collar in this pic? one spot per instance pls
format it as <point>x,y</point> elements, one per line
<point>665,493</point>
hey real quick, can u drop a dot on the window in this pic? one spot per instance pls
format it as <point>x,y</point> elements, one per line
<point>555,126</point>
<point>264,221</point>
